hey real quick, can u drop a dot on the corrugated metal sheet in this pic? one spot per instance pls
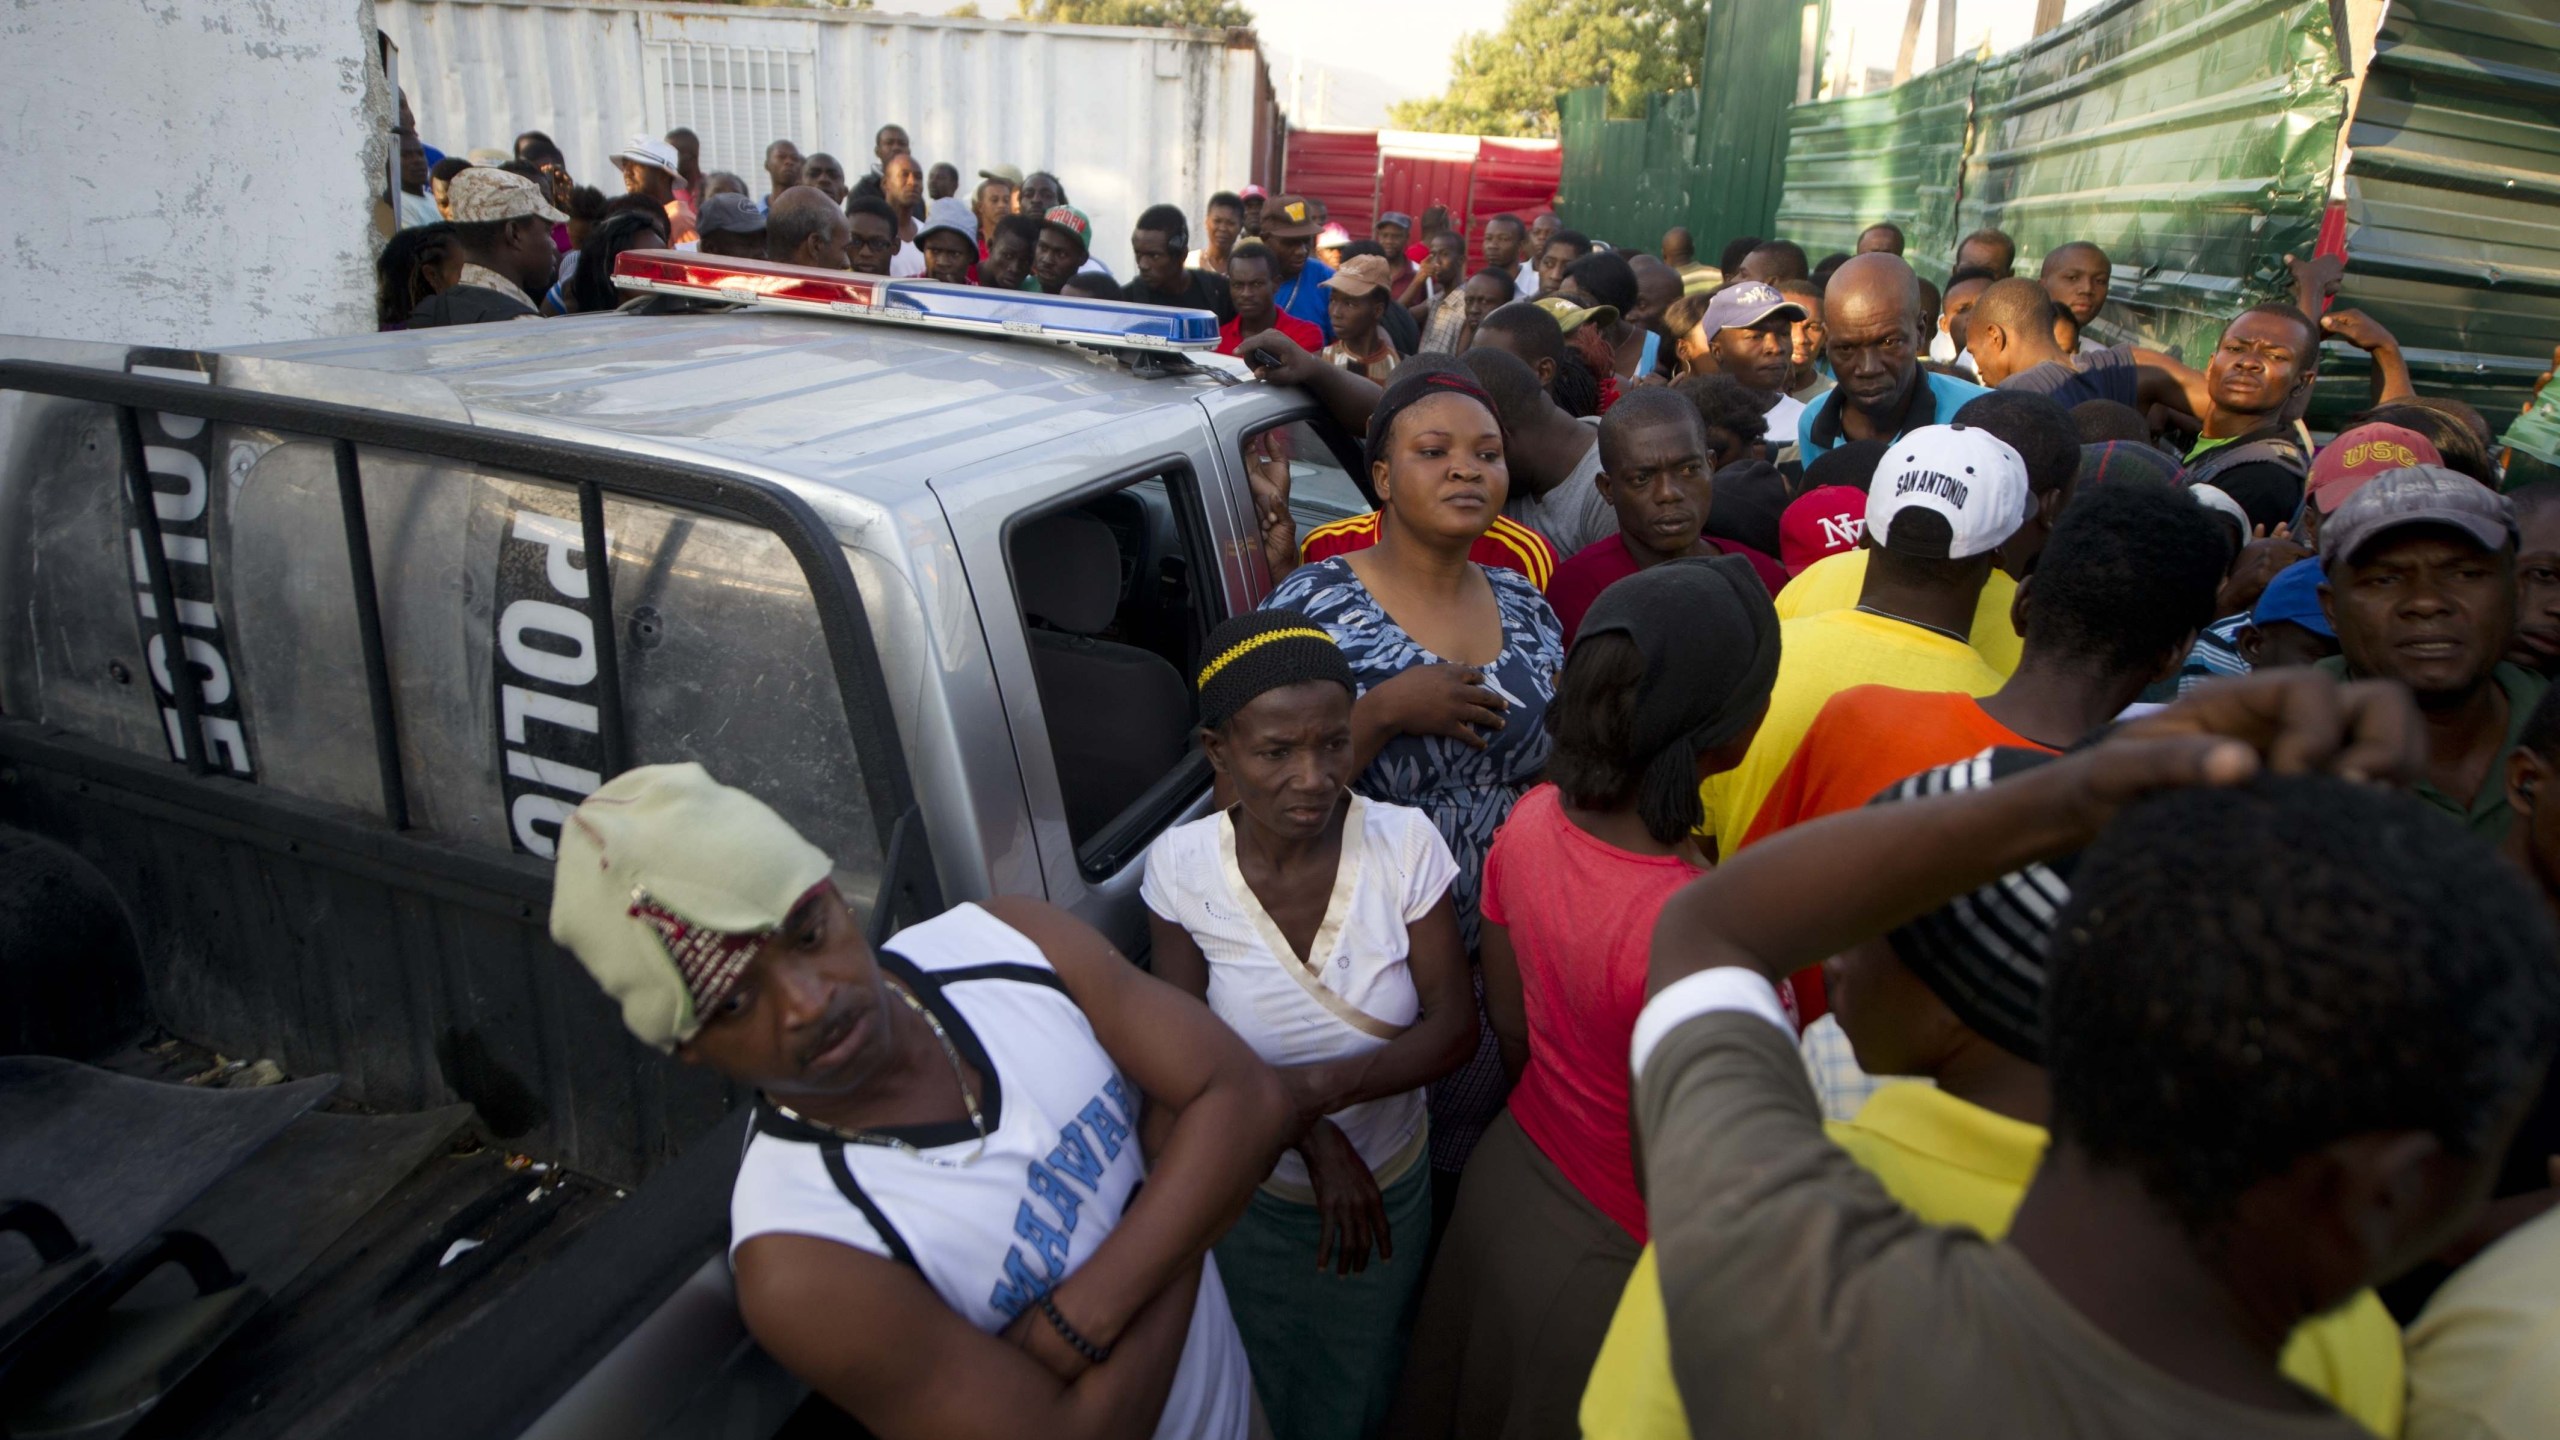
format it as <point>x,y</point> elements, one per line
<point>1512,177</point>
<point>1712,159</point>
<point>2453,195</point>
<point>1415,179</point>
<point>1755,55</point>
<point>1340,168</point>
<point>1125,117</point>
<point>1897,155</point>
<point>1358,173</point>
<point>1627,181</point>
<point>2192,139</point>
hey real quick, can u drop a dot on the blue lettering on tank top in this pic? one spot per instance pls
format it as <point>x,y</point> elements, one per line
<point>1071,1159</point>
<point>1046,1238</point>
<point>1018,1288</point>
<point>1106,1126</point>
<point>1050,1188</point>
<point>1074,1157</point>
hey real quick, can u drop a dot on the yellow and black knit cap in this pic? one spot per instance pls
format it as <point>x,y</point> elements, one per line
<point>1265,650</point>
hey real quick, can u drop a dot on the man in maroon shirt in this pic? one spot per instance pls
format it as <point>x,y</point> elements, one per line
<point>1655,472</point>
<point>1253,283</point>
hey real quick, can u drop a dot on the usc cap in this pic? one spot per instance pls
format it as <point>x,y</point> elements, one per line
<point>666,882</point>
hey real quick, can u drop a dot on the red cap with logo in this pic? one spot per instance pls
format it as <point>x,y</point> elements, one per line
<point>2344,465</point>
<point>1819,523</point>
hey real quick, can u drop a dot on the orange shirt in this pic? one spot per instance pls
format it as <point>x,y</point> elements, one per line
<point>1866,738</point>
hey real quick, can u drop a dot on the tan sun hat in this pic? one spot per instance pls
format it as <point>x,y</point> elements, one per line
<point>667,881</point>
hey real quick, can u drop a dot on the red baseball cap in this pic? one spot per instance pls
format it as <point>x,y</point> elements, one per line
<point>2344,465</point>
<point>1820,523</point>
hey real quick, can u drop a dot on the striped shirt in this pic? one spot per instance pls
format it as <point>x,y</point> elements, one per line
<point>1507,544</point>
<point>2216,653</point>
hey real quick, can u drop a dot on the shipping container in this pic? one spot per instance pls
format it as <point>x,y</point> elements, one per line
<point>1125,117</point>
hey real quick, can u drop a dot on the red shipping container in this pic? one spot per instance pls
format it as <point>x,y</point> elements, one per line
<point>1359,174</point>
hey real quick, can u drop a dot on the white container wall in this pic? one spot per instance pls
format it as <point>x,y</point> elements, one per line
<point>1124,117</point>
<point>191,173</point>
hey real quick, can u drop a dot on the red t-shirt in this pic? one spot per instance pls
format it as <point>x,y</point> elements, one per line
<point>1506,543</point>
<point>1309,338</point>
<point>1580,914</point>
<point>1866,738</point>
<point>1603,563</point>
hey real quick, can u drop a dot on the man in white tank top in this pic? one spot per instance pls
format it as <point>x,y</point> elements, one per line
<point>938,1222</point>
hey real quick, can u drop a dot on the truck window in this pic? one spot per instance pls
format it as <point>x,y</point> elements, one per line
<point>1321,490</point>
<point>1114,606</point>
<point>490,631</point>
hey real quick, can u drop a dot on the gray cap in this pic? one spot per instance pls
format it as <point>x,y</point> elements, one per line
<point>948,213</point>
<point>730,214</point>
<point>1009,174</point>
<point>2418,495</point>
<point>1739,307</point>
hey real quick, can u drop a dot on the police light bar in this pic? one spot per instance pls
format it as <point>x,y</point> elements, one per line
<point>772,285</point>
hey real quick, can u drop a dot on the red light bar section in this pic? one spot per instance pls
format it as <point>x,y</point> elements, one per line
<point>677,272</point>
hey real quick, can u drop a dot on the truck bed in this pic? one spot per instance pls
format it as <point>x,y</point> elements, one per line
<point>377,1236</point>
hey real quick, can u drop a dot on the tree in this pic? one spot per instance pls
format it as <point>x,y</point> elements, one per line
<point>1180,14</point>
<point>1506,82</point>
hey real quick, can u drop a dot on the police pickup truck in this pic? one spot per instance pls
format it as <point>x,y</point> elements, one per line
<point>307,650</point>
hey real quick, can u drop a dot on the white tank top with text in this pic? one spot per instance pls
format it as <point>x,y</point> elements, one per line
<point>1060,1166</point>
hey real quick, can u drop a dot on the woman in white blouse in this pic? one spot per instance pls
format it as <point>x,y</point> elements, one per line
<point>1317,924</point>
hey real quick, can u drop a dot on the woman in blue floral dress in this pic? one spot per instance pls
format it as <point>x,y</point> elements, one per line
<point>1456,663</point>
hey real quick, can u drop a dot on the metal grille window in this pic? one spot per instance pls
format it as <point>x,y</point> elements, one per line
<point>738,98</point>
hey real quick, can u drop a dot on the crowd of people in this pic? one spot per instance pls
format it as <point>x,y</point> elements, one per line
<point>1837,856</point>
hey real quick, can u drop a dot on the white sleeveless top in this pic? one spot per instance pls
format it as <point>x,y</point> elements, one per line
<point>1351,995</point>
<point>1061,1162</point>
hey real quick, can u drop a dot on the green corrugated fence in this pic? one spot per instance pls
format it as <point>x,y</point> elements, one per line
<point>2453,195</point>
<point>1897,155</point>
<point>1628,177</point>
<point>2191,139</point>
<point>2195,140</point>
<point>1711,158</point>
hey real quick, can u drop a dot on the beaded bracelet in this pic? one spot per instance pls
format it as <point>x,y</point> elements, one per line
<point>1093,1354</point>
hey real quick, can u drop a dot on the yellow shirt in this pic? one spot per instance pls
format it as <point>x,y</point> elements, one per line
<point>2484,1358</point>
<point>1952,1162</point>
<point>1833,583</point>
<point>1819,656</point>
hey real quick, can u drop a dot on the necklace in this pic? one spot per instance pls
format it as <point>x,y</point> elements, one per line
<point>959,1074</point>
<point>1923,624</point>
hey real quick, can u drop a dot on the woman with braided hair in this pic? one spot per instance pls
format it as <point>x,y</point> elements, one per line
<point>1454,663</point>
<point>1318,925</point>
<point>1667,682</point>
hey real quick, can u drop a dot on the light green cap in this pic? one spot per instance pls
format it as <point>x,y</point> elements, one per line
<point>666,882</point>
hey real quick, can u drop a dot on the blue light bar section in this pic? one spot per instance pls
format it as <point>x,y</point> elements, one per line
<point>1064,317</point>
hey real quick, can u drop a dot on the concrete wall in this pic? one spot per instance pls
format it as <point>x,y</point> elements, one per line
<point>1125,117</point>
<point>189,172</point>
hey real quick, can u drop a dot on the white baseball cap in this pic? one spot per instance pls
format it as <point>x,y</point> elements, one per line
<point>657,154</point>
<point>1963,473</point>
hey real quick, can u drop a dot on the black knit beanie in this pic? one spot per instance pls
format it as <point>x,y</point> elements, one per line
<point>1983,953</point>
<point>1265,650</point>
